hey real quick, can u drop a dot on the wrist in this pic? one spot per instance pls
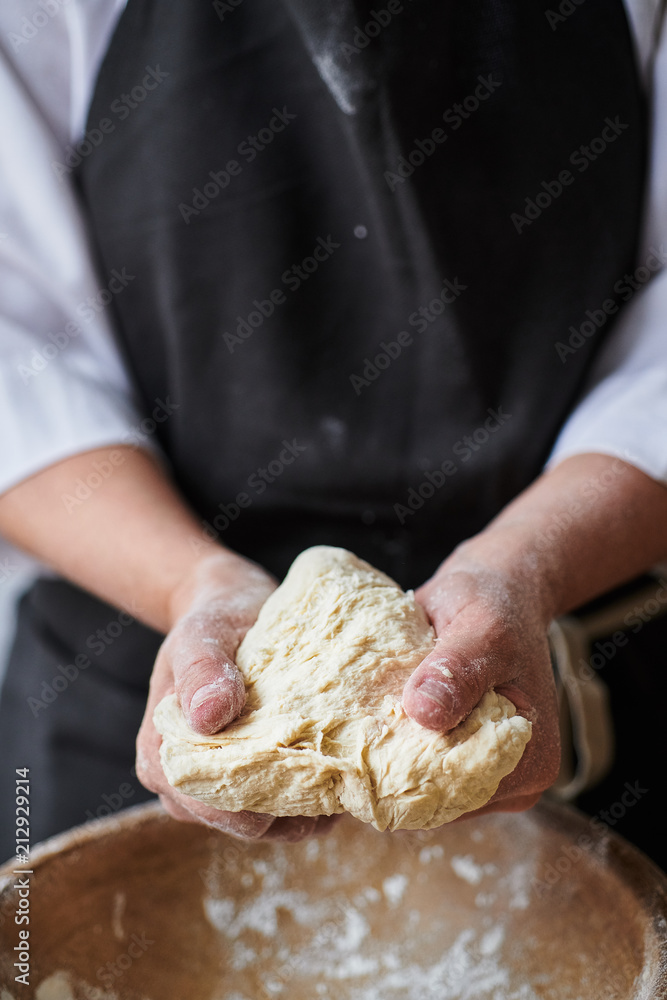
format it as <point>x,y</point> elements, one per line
<point>509,561</point>
<point>591,523</point>
<point>205,577</point>
<point>217,579</point>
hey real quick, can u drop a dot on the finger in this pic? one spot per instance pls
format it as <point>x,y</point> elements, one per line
<point>539,765</point>
<point>148,767</point>
<point>326,823</point>
<point>294,828</point>
<point>176,811</point>
<point>517,803</point>
<point>291,829</point>
<point>252,826</point>
<point>208,683</point>
<point>449,683</point>
<point>244,825</point>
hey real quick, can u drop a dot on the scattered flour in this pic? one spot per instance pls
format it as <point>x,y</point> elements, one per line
<point>62,985</point>
<point>466,867</point>
<point>220,912</point>
<point>312,850</point>
<point>394,888</point>
<point>483,899</point>
<point>119,901</point>
<point>382,945</point>
<point>55,987</point>
<point>243,957</point>
<point>517,880</point>
<point>353,932</point>
<point>338,942</point>
<point>261,914</point>
<point>355,965</point>
<point>429,853</point>
<point>492,940</point>
<point>59,986</point>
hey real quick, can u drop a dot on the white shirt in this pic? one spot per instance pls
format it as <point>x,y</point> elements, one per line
<point>63,392</point>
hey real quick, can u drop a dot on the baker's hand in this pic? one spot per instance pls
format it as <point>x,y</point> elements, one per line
<point>490,634</point>
<point>212,613</point>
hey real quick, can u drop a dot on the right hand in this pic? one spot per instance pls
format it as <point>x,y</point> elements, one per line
<point>212,612</point>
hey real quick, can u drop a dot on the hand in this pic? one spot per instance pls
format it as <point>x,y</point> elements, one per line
<point>212,612</point>
<point>490,633</point>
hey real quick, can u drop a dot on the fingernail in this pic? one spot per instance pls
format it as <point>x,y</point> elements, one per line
<point>203,694</point>
<point>435,691</point>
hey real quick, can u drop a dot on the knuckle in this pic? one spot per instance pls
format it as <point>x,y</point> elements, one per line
<point>147,781</point>
<point>147,775</point>
<point>193,672</point>
<point>170,807</point>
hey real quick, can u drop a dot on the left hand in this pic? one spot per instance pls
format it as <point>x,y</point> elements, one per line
<point>490,634</point>
<point>584,526</point>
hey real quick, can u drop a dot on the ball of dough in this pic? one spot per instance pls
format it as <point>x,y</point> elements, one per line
<point>323,729</point>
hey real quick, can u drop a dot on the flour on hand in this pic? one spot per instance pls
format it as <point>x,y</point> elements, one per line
<point>323,730</point>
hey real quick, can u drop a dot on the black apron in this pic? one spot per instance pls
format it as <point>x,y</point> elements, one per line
<point>237,193</point>
<point>363,258</point>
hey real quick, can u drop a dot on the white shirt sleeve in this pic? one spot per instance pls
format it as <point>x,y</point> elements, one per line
<point>623,410</point>
<point>63,386</point>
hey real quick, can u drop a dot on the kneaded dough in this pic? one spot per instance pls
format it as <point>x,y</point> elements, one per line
<point>323,729</point>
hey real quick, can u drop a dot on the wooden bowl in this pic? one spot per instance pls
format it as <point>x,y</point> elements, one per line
<point>507,907</point>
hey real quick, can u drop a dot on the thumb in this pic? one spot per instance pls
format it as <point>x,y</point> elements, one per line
<point>208,683</point>
<point>447,684</point>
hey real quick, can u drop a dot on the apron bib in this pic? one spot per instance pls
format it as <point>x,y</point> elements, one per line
<point>346,243</point>
<point>357,241</point>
